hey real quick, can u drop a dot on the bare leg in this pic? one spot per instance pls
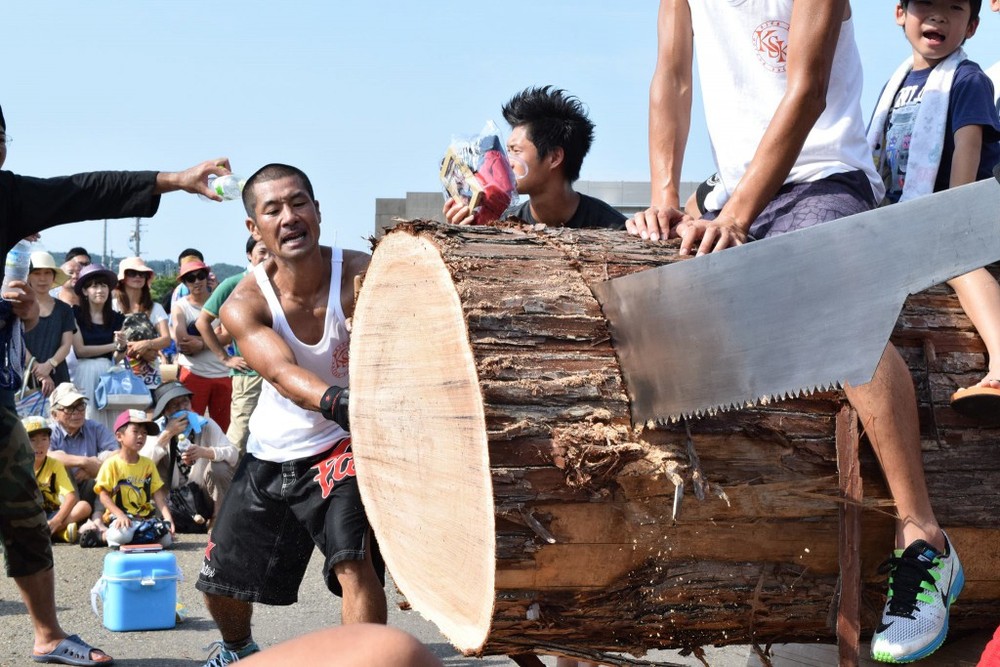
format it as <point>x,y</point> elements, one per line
<point>979,295</point>
<point>232,616</point>
<point>358,645</point>
<point>39,594</point>
<point>364,599</point>
<point>80,512</point>
<point>887,407</point>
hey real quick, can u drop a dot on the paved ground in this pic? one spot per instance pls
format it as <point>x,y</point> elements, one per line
<point>77,569</point>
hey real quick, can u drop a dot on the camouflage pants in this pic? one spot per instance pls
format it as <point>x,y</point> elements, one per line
<point>23,528</point>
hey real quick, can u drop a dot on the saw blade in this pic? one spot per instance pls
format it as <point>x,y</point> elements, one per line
<point>793,314</point>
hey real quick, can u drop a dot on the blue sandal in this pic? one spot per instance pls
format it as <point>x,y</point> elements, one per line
<point>72,651</point>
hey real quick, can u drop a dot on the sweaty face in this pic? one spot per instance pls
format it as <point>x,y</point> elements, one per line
<point>935,28</point>
<point>524,160</point>
<point>287,218</point>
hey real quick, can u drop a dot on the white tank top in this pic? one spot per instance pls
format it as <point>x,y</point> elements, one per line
<point>742,57</point>
<point>280,430</point>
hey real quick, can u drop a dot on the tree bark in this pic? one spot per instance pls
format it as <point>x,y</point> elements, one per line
<point>519,510</point>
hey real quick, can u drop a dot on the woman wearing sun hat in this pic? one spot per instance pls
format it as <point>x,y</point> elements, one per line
<point>50,341</point>
<point>146,329</point>
<point>200,370</point>
<point>99,340</point>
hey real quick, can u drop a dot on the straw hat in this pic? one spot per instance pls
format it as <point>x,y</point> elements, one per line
<point>135,264</point>
<point>43,260</point>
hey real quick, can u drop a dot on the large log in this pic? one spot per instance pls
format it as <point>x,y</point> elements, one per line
<point>519,510</point>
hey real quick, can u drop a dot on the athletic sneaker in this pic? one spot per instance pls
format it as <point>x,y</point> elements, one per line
<point>69,533</point>
<point>222,656</point>
<point>923,584</point>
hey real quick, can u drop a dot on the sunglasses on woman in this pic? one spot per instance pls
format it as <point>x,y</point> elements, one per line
<point>195,277</point>
<point>132,273</point>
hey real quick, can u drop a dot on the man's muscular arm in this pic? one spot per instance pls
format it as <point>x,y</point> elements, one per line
<point>813,35</point>
<point>669,120</point>
<point>247,317</point>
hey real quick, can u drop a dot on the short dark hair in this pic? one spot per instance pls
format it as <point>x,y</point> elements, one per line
<point>75,252</point>
<point>553,119</point>
<point>974,7</point>
<point>251,244</point>
<point>190,252</point>
<point>271,172</point>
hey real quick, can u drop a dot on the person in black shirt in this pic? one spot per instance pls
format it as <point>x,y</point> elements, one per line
<point>550,136</point>
<point>27,206</point>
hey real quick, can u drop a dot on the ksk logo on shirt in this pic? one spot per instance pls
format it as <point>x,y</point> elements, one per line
<point>341,360</point>
<point>770,42</point>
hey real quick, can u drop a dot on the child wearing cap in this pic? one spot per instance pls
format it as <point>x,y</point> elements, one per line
<point>129,487</point>
<point>62,507</point>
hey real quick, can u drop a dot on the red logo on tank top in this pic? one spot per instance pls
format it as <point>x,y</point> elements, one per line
<point>341,360</point>
<point>335,467</point>
<point>770,41</point>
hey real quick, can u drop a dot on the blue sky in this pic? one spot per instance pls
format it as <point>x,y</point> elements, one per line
<point>364,98</point>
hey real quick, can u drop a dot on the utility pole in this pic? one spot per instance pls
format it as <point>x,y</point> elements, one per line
<point>104,252</point>
<point>137,238</point>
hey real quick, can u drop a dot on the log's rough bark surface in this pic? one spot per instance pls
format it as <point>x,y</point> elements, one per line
<point>519,510</point>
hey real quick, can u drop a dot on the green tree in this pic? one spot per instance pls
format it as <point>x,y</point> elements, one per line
<point>162,285</point>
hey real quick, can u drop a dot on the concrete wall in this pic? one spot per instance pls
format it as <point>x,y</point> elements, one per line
<point>626,196</point>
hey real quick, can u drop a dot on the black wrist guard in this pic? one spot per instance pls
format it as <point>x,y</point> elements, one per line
<point>333,406</point>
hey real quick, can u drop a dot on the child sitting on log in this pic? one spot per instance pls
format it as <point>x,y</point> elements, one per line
<point>936,127</point>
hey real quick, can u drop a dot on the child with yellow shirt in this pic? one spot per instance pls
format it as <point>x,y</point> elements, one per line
<point>131,489</point>
<point>63,509</point>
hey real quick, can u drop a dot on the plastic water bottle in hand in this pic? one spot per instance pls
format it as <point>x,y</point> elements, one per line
<point>229,186</point>
<point>17,264</point>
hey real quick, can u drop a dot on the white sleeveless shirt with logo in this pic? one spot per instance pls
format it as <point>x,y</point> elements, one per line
<point>281,431</point>
<point>742,53</point>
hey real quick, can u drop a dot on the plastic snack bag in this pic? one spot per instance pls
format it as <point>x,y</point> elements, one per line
<point>477,170</point>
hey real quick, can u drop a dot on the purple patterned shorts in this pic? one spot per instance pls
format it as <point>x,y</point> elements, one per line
<point>801,205</point>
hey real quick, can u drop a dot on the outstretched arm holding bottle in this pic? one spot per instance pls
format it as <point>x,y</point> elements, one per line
<point>27,206</point>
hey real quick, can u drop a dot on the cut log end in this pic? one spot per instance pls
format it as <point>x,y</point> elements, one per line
<point>415,333</point>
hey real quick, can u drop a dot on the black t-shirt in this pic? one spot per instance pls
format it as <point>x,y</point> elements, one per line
<point>590,213</point>
<point>46,337</point>
<point>99,334</point>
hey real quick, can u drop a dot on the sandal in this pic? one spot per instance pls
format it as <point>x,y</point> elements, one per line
<point>978,402</point>
<point>72,651</point>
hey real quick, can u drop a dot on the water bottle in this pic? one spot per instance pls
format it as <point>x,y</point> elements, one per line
<point>228,187</point>
<point>182,443</point>
<point>17,264</point>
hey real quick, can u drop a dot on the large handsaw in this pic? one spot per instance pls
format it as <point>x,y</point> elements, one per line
<point>807,310</point>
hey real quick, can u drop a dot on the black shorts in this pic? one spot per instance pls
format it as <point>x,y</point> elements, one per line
<point>273,515</point>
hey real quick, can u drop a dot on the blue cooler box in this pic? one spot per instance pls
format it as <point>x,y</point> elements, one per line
<point>139,591</point>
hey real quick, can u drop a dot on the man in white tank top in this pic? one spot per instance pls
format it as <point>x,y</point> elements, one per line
<point>296,486</point>
<point>781,80</point>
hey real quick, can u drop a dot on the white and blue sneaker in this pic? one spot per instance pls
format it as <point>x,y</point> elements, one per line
<point>222,656</point>
<point>923,584</point>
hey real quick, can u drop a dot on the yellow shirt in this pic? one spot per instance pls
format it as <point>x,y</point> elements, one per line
<point>54,483</point>
<point>131,485</point>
